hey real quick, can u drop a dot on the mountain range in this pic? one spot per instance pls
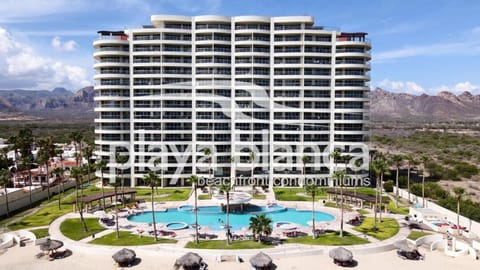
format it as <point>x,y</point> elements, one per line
<point>444,106</point>
<point>60,103</point>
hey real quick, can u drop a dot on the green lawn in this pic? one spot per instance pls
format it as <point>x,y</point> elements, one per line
<point>40,233</point>
<point>385,229</point>
<point>73,229</point>
<point>414,235</point>
<point>363,211</point>
<point>397,210</point>
<point>204,197</point>
<point>330,239</point>
<point>222,244</point>
<point>49,210</point>
<point>370,192</point>
<point>290,194</point>
<point>332,204</point>
<point>165,194</point>
<point>128,239</point>
<point>259,196</point>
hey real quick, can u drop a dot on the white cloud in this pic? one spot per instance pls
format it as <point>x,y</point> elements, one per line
<point>459,88</point>
<point>67,46</point>
<point>401,87</point>
<point>22,67</point>
<point>468,44</point>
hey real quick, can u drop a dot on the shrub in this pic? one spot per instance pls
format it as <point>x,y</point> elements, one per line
<point>388,186</point>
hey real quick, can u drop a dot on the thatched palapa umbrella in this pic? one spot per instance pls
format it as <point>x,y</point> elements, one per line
<point>124,256</point>
<point>261,261</point>
<point>341,254</point>
<point>188,261</point>
<point>50,245</point>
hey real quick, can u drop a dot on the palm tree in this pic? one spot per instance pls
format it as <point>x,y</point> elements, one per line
<point>58,171</point>
<point>383,171</point>
<point>47,152</point>
<point>396,161</point>
<point>264,223</point>
<point>340,177</point>
<point>410,161</point>
<point>117,210</point>
<point>101,165</point>
<point>26,164</point>
<point>151,179</point>
<point>155,163</point>
<point>305,160</point>
<point>254,226</point>
<point>77,139</point>
<point>208,153</point>
<point>336,155</point>
<point>358,164</point>
<point>459,192</point>
<point>121,159</point>
<point>226,188</point>
<point>77,174</point>
<point>88,156</point>
<point>312,190</point>
<point>378,167</point>
<point>4,181</point>
<point>42,159</point>
<point>260,225</point>
<point>424,159</point>
<point>251,158</point>
<point>194,181</point>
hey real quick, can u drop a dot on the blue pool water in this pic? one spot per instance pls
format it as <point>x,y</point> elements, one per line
<point>213,217</point>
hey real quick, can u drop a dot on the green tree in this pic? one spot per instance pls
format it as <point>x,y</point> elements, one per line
<point>88,153</point>
<point>260,225</point>
<point>305,160</point>
<point>424,159</point>
<point>208,153</point>
<point>396,161</point>
<point>122,159</point>
<point>47,151</point>
<point>459,192</point>
<point>58,172</point>
<point>411,161</point>
<point>340,177</point>
<point>5,181</point>
<point>358,164</point>
<point>226,188</point>
<point>312,190</point>
<point>77,173</point>
<point>378,167</point>
<point>151,180</point>
<point>77,138</point>
<point>101,165</point>
<point>194,181</point>
<point>251,158</point>
<point>336,155</point>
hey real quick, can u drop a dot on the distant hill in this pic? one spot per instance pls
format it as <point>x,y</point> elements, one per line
<point>58,103</point>
<point>444,106</point>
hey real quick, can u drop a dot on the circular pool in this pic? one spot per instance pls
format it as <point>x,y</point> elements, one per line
<point>215,219</point>
<point>175,225</point>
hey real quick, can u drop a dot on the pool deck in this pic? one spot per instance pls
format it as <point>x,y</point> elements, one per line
<point>184,236</point>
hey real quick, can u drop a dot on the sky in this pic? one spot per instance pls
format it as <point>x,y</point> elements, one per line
<point>421,46</point>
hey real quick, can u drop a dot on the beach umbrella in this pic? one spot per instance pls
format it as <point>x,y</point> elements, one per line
<point>341,254</point>
<point>403,245</point>
<point>124,256</point>
<point>261,260</point>
<point>49,245</point>
<point>188,261</point>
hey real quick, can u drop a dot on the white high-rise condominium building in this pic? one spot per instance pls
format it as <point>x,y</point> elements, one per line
<point>278,87</point>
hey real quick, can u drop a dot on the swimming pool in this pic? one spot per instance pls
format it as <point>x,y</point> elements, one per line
<point>213,217</point>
